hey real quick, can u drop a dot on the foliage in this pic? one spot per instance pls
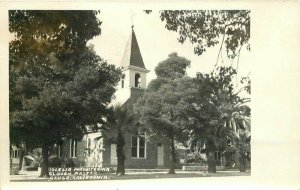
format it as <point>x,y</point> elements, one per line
<point>46,31</point>
<point>119,118</point>
<point>92,156</point>
<point>57,84</point>
<point>206,28</point>
<point>159,106</point>
<point>147,11</point>
<point>173,67</point>
<point>36,154</point>
<point>61,101</point>
<point>216,116</point>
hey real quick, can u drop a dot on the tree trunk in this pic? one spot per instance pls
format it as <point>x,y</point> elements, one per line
<point>173,157</point>
<point>120,153</point>
<point>22,152</point>
<point>211,162</point>
<point>45,155</point>
<point>242,161</point>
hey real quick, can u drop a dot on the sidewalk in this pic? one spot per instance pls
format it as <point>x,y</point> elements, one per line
<point>28,176</point>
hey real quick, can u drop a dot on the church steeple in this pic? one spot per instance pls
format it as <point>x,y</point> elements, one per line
<point>132,65</point>
<point>132,55</point>
<point>134,74</point>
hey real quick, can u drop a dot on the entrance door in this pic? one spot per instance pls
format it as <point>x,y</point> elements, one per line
<point>160,155</point>
<point>113,154</point>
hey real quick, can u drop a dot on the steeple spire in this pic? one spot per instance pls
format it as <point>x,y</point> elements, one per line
<point>132,25</point>
<point>132,55</point>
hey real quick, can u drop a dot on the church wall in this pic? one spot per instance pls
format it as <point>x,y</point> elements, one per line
<point>106,153</point>
<point>122,95</point>
<point>65,152</point>
<point>135,94</point>
<point>149,162</point>
<point>126,81</point>
<point>151,155</point>
<point>79,159</point>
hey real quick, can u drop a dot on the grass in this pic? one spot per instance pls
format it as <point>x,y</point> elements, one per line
<point>153,175</point>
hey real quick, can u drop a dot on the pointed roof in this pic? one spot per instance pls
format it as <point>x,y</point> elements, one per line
<point>132,55</point>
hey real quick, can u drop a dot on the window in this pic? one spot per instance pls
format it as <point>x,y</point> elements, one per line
<point>122,82</point>
<point>137,80</point>
<point>15,153</point>
<point>73,148</point>
<point>138,146</point>
<point>229,143</point>
<point>59,151</point>
<point>218,153</point>
<point>88,145</point>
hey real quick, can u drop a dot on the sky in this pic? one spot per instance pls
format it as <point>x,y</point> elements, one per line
<point>155,42</point>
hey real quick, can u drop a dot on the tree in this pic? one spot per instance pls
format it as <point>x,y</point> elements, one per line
<point>51,31</point>
<point>120,121</point>
<point>206,28</point>
<point>58,85</point>
<point>216,112</point>
<point>158,107</point>
<point>203,110</point>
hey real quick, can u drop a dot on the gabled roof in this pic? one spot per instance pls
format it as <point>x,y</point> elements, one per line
<point>132,55</point>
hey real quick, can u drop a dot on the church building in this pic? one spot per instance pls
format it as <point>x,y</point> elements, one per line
<point>139,151</point>
<point>96,151</point>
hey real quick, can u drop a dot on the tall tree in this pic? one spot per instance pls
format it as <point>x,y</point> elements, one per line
<point>158,107</point>
<point>121,121</point>
<point>215,115</point>
<point>230,29</point>
<point>58,85</point>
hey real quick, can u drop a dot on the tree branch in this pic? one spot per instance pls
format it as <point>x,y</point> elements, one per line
<point>239,90</point>
<point>237,22</point>
<point>237,64</point>
<point>219,52</point>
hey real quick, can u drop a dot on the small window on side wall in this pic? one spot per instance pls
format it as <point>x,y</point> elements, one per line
<point>89,143</point>
<point>123,81</point>
<point>59,151</point>
<point>73,148</point>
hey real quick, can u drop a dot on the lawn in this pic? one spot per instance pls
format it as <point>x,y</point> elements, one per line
<point>134,175</point>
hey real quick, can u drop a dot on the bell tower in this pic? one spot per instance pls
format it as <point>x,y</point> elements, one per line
<point>132,65</point>
<point>133,80</point>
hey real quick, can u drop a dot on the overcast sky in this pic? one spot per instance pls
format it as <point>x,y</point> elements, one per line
<point>155,42</point>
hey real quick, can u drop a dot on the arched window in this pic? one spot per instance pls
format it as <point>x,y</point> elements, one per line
<point>122,82</point>
<point>137,80</point>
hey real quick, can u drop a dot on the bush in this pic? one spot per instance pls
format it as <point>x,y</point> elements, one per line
<point>14,170</point>
<point>55,162</point>
<point>33,167</point>
<point>70,163</point>
<point>194,158</point>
